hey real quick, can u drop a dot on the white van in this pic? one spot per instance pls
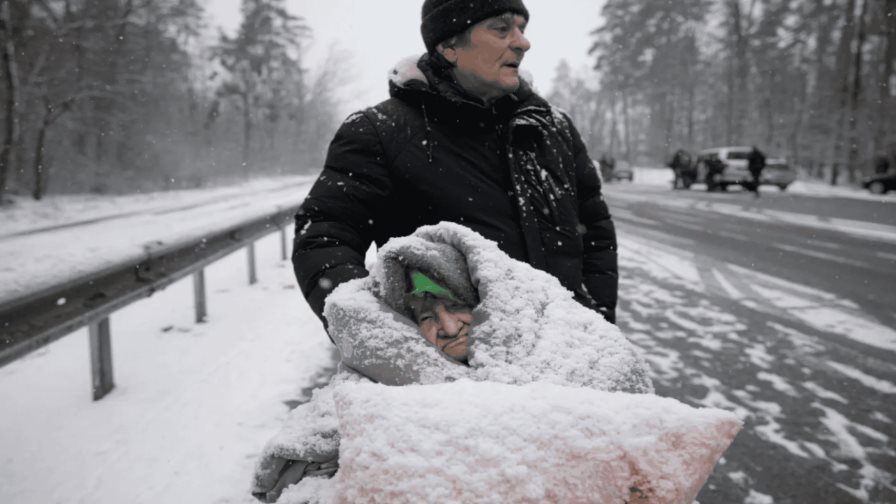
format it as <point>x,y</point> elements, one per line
<point>735,161</point>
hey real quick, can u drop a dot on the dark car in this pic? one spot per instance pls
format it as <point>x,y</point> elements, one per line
<point>880,184</point>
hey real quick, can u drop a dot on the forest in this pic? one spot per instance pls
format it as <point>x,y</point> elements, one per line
<point>809,80</point>
<point>112,96</point>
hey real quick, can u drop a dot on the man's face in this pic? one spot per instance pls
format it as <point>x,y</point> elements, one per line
<point>444,323</point>
<point>488,67</point>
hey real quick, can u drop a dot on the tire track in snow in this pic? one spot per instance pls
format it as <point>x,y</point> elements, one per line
<point>718,340</point>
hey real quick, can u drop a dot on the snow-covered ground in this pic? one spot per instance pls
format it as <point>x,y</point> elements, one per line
<point>808,187</point>
<point>193,406</point>
<point>63,237</point>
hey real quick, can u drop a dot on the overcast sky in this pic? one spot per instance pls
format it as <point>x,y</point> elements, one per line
<point>378,33</point>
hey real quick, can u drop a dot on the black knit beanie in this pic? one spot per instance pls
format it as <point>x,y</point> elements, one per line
<point>444,18</point>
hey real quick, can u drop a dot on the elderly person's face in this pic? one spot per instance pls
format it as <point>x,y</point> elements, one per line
<point>487,65</point>
<point>444,323</point>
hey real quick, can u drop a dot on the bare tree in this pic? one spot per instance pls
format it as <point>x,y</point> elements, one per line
<point>11,112</point>
<point>847,33</point>
<point>887,75</point>
<point>855,92</point>
<point>264,52</point>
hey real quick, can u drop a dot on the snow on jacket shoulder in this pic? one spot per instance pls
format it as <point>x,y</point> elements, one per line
<point>515,172</point>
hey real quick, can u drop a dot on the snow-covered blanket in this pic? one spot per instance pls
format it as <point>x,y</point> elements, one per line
<point>483,442</point>
<point>527,328</point>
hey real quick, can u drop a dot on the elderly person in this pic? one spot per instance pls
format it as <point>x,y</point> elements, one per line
<point>462,139</point>
<point>443,320</point>
<point>440,305</point>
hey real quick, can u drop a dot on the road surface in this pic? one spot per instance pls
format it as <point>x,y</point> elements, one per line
<point>780,308</point>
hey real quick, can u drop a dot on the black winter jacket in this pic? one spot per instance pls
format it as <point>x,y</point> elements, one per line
<point>516,172</point>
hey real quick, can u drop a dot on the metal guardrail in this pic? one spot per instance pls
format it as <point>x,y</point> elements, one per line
<point>31,322</point>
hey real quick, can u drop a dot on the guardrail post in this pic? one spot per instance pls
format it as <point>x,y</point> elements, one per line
<point>253,276</point>
<point>101,358</point>
<point>284,253</point>
<point>199,295</point>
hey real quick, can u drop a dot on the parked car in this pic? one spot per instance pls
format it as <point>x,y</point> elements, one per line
<point>611,170</point>
<point>622,171</point>
<point>881,183</point>
<point>778,172</point>
<point>732,167</point>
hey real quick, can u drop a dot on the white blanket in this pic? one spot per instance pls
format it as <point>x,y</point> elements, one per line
<point>481,442</point>
<point>527,329</point>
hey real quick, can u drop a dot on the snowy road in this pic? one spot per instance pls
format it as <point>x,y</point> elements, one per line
<point>66,237</point>
<point>783,315</point>
<point>193,404</point>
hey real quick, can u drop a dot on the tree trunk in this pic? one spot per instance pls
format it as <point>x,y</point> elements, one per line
<point>40,167</point>
<point>729,106</point>
<point>741,71</point>
<point>105,108</point>
<point>627,123</point>
<point>856,93</point>
<point>40,184</point>
<point>795,154</point>
<point>594,124</point>
<point>821,110</point>
<point>769,111</point>
<point>11,81</point>
<point>843,65</point>
<point>247,133</point>
<point>692,91</point>
<point>669,111</point>
<point>81,136</point>
<point>613,122</point>
<point>885,104</point>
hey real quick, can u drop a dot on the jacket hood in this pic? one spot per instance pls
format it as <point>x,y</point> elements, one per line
<point>440,261</point>
<point>431,75</point>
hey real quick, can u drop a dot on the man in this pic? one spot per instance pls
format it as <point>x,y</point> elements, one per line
<point>462,139</point>
<point>681,167</point>
<point>714,169</point>
<point>607,165</point>
<point>756,163</point>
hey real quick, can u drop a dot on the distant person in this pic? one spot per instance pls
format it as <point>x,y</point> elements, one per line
<point>681,167</point>
<point>756,163</point>
<point>462,139</point>
<point>607,165</point>
<point>714,169</point>
<point>881,165</point>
